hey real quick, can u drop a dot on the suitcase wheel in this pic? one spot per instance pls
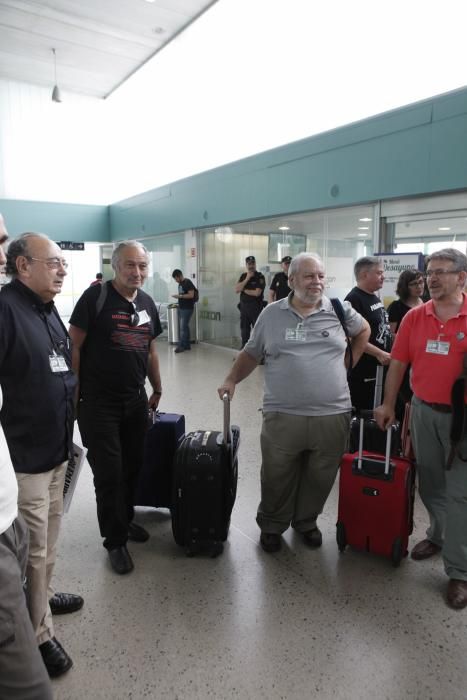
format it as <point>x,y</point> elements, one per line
<point>217,549</point>
<point>341,537</point>
<point>397,552</point>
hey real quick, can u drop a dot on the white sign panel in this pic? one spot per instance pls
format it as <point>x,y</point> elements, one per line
<point>393,266</point>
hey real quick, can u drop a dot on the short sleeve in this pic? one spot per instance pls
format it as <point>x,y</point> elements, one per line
<point>353,319</point>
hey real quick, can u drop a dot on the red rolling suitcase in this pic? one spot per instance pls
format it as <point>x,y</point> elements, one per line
<point>376,497</point>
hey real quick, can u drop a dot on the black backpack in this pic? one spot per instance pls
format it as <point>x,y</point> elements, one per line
<point>196,296</point>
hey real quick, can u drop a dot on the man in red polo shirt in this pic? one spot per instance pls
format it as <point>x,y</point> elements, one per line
<point>432,338</point>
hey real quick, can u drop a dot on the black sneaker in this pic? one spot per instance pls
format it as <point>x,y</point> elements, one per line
<point>136,533</point>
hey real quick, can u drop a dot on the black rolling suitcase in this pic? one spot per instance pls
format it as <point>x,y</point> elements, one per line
<point>205,486</point>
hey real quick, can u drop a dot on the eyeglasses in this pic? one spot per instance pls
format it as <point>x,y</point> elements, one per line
<point>52,263</point>
<point>440,273</point>
<point>417,283</point>
<point>134,317</point>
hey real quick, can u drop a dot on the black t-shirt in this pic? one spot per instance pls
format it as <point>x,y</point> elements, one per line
<point>396,312</point>
<point>183,288</point>
<point>280,286</point>
<point>37,413</point>
<point>372,309</point>
<point>114,355</point>
<point>255,282</point>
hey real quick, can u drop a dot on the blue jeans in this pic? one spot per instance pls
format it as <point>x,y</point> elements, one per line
<point>184,316</point>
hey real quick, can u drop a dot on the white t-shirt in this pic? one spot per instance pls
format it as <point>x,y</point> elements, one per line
<point>8,483</point>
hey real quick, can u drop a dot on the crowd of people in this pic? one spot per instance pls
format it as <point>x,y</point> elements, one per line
<point>96,372</point>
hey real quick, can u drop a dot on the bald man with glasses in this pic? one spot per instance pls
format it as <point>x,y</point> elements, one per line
<point>37,417</point>
<point>114,331</point>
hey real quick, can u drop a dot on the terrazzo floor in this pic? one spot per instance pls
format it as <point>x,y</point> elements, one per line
<point>295,625</point>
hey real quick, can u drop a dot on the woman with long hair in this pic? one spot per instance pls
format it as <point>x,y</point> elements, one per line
<point>410,288</point>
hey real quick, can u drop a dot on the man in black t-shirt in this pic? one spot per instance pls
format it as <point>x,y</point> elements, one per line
<point>279,286</point>
<point>114,349</point>
<point>369,274</point>
<point>186,305</point>
<point>250,286</point>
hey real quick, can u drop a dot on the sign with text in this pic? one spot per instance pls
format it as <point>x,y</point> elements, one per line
<point>394,264</point>
<point>70,245</point>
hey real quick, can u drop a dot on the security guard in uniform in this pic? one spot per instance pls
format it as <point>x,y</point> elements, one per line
<point>250,286</point>
<point>279,286</point>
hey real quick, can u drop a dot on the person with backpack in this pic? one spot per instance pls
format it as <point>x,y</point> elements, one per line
<point>114,329</point>
<point>187,297</point>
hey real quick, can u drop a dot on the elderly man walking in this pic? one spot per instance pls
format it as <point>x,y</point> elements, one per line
<point>432,338</point>
<point>37,418</point>
<point>114,330</point>
<point>306,407</point>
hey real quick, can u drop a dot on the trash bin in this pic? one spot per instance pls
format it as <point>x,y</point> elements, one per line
<point>173,328</point>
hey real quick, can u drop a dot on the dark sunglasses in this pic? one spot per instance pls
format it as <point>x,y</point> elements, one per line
<point>134,317</point>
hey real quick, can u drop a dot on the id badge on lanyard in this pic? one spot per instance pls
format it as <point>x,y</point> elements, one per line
<point>57,363</point>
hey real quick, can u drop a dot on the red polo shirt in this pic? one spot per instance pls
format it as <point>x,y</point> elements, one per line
<point>433,374</point>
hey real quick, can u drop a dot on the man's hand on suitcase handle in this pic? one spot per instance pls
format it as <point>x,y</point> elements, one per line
<point>384,416</point>
<point>228,388</point>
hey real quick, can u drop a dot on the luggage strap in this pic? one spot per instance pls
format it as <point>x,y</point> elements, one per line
<point>459,415</point>
<point>339,311</point>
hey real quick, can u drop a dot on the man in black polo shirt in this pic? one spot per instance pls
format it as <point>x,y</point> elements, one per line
<point>279,288</point>
<point>250,286</point>
<point>37,418</point>
<point>114,330</point>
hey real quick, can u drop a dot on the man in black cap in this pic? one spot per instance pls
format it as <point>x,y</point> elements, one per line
<point>250,286</point>
<point>279,288</point>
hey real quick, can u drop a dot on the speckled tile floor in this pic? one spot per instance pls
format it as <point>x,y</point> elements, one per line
<point>294,625</point>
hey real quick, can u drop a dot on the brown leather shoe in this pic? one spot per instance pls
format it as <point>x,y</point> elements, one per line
<point>457,594</point>
<point>424,550</point>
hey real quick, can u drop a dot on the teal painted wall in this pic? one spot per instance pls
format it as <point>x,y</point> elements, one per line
<point>419,149</point>
<point>61,222</point>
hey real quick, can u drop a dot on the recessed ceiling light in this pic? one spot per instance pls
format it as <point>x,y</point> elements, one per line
<point>363,234</point>
<point>365,218</point>
<point>284,228</point>
<point>363,228</point>
<point>444,228</point>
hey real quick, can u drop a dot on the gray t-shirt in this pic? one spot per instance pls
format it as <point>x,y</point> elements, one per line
<point>304,371</point>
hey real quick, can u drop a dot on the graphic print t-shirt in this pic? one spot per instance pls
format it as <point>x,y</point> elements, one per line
<point>114,356</point>
<point>372,309</point>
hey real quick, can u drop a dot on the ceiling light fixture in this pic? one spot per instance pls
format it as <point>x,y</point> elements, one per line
<point>363,234</point>
<point>284,228</point>
<point>363,228</point>
<point>365,218</point>
<point>444,228</point>
<point>56,97</point>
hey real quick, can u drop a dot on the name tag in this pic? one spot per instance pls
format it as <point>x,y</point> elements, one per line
<point>437,347</point>
<point>143,317</point>
<point>57,363</point>
<point>295,334</point>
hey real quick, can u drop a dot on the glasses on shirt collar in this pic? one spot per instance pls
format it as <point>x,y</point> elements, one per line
<point>52,263</point>
<point>134,317</point>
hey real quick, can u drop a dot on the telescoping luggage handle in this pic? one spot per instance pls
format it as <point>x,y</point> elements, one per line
<point>226,430</point>
<point>387,460</point>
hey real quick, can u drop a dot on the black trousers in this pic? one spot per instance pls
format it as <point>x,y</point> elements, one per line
<point>249,312</point>
<point>114,433</point>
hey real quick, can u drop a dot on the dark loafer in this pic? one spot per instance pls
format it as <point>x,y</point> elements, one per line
<point>313,538</point>
<point>63,603</point>
<point>136,533</point>
<point>121,560</point>
<point>457,594</point>
<point>55,658</point>
<point>270,542</point>
<point>424,550</point>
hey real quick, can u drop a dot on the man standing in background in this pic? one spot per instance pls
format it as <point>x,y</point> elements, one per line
<point>279,286</point>
<point>37,417</point>
<point>369,274</point>
<point>186,305</point>
<point>250,286</point>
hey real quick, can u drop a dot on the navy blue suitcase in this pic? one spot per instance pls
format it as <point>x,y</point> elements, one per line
<point>154,486</point>
<point>205,487</point>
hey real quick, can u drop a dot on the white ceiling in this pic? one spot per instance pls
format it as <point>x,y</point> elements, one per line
<point>99,43</point>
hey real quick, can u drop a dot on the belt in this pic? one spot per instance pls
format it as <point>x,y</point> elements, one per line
<point>439,407</point>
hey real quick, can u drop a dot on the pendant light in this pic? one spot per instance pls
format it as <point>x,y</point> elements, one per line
<point>56,97</point>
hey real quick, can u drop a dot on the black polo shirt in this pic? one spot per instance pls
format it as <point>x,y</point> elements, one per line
<point>280,285</point>
<point>255,282</point>
<point>37,413</point>
<point>114,355</point>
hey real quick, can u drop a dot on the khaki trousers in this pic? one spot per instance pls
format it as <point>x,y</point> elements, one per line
<point>300,459</point>
<point>40,502</point>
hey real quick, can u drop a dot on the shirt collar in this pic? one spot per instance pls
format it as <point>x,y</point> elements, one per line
<point>286,305</point>
<point>430,311</point>
<point>32,297</point>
